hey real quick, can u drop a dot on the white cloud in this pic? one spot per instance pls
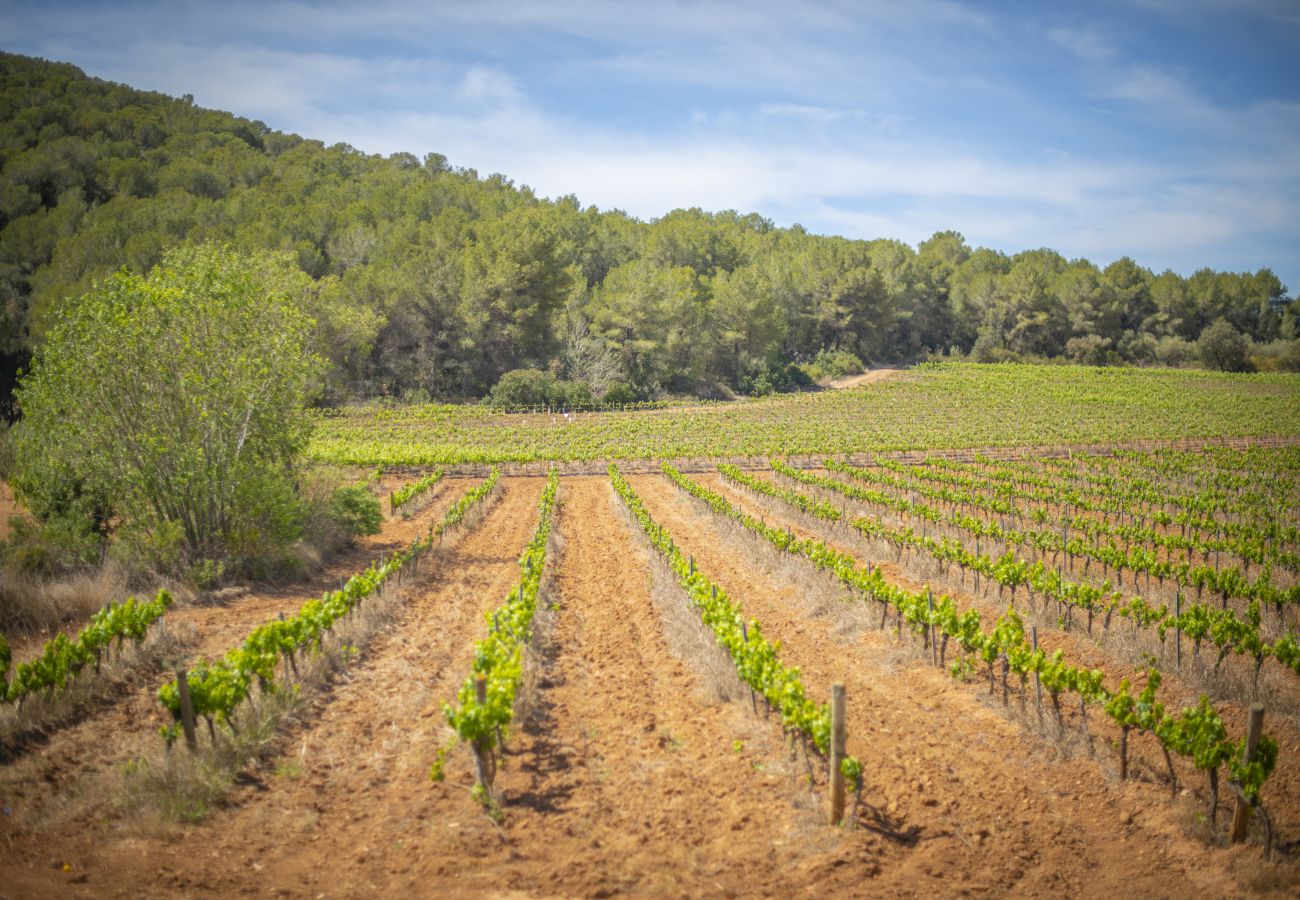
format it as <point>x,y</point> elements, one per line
<point>1089,44</point>
<point>821,113</point>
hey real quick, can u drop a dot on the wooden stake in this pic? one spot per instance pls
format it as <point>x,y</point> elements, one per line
<point>1241,817</point>
<point>929,603</point>
<point>1038,682</point>
<point>838,738</point>
<point>744,631</point>
<point>187,711</point>
<point>481,752</point>
<point>1178,630</point>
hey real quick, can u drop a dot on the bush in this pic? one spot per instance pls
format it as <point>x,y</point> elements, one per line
<point>619,394</point>
<point>56,546</point>
<point>533,387</point>
<point>1175,352</point>
<point>175,399</point>
<point>1088,349</point>
<point>830,365</point>
<point>1276,356</point>
<point>523,387</point>
<point>571,393</point>
<point>777,378</point>
<point>1137,347</point>
<point>1223,347</point>
<point>355,510</point>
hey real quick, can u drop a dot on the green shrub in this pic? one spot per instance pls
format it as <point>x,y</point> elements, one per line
<point>355,510</point>
<point>619,394</point>
<point>1223,347</point>
<point>524,387</point>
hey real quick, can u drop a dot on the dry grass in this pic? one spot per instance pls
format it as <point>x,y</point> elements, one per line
<point>688,638</point>
<point>29,603</point>
<point>42,713</point>
<point>173,784</point>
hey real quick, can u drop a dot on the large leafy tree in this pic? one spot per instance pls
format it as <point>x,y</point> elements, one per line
<point>175,402</point>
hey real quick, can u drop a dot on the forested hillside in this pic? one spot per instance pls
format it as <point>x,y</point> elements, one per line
<point>431,280</point>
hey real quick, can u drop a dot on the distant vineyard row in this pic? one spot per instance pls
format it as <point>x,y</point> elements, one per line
<point>945,406</point>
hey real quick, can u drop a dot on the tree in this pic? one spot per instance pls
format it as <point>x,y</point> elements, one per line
<point>1223,347</point>
<point>177,398</point>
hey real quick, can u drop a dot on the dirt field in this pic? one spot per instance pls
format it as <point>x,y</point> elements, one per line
<point>637,767</point>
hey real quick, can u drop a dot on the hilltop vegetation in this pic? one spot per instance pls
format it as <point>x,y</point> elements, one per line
<point>434,282</point>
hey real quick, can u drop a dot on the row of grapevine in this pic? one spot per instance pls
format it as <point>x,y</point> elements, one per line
<point>218,688</point>
<point>962,491</point>
<point>1230,632</point>
<point>409,492</point>
<point>63,659</point>
<point>486,701</point>
<point>1256,536</point>
<point>455,515</point>
<point>1197,734</point>
<point>755,657</point>
<point>1211,482</point>
<point>949,406</point>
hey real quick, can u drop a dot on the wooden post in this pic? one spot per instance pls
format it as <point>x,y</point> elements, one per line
<point>1178,629</point>
<point>838,737</point>
<point>744,631</point>
<point>929,603</point>
<point>1241,817</point>
<point>187,711</point>
<point>481,752</point>
<point>1038,682</point>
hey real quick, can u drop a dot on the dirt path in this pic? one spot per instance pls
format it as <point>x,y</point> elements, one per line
<point>352,788</point>
<point>969,798</point>
<point>628,777</point>
<point>869,377</point>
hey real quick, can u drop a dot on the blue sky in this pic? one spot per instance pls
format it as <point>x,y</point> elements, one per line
<point>1165,130</point>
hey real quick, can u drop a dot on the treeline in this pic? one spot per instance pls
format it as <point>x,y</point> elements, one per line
<point>430,280</point>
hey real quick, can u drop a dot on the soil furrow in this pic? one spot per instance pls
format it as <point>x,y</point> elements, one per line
<point>353,784</point>
<point>629,775</point>
<point>972,802</point>
<point>55,775</point>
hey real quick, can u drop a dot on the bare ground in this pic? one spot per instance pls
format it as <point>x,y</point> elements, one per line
<point>627,773</point>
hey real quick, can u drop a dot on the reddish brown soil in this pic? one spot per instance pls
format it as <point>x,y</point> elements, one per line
<point>1175,820</point>
<point>77,758</point>
<point>625,774</point>
<point>1117,653</point>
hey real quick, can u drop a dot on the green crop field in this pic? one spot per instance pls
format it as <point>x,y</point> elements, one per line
<point>936,407</point>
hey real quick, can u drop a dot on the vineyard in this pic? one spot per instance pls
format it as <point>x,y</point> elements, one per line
<point>759,648</point>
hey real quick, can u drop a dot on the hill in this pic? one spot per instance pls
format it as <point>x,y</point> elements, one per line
<point>434,281</point>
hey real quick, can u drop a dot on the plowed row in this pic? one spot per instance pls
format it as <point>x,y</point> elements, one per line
<point>627,771</point>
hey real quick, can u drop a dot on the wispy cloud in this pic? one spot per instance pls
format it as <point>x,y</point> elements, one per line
<point>1089,44</point>
<point>865,117</point>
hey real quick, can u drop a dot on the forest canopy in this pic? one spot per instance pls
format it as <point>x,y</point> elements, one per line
<point>432,281</point>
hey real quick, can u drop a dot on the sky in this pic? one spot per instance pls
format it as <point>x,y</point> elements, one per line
<point>1163,130</point>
